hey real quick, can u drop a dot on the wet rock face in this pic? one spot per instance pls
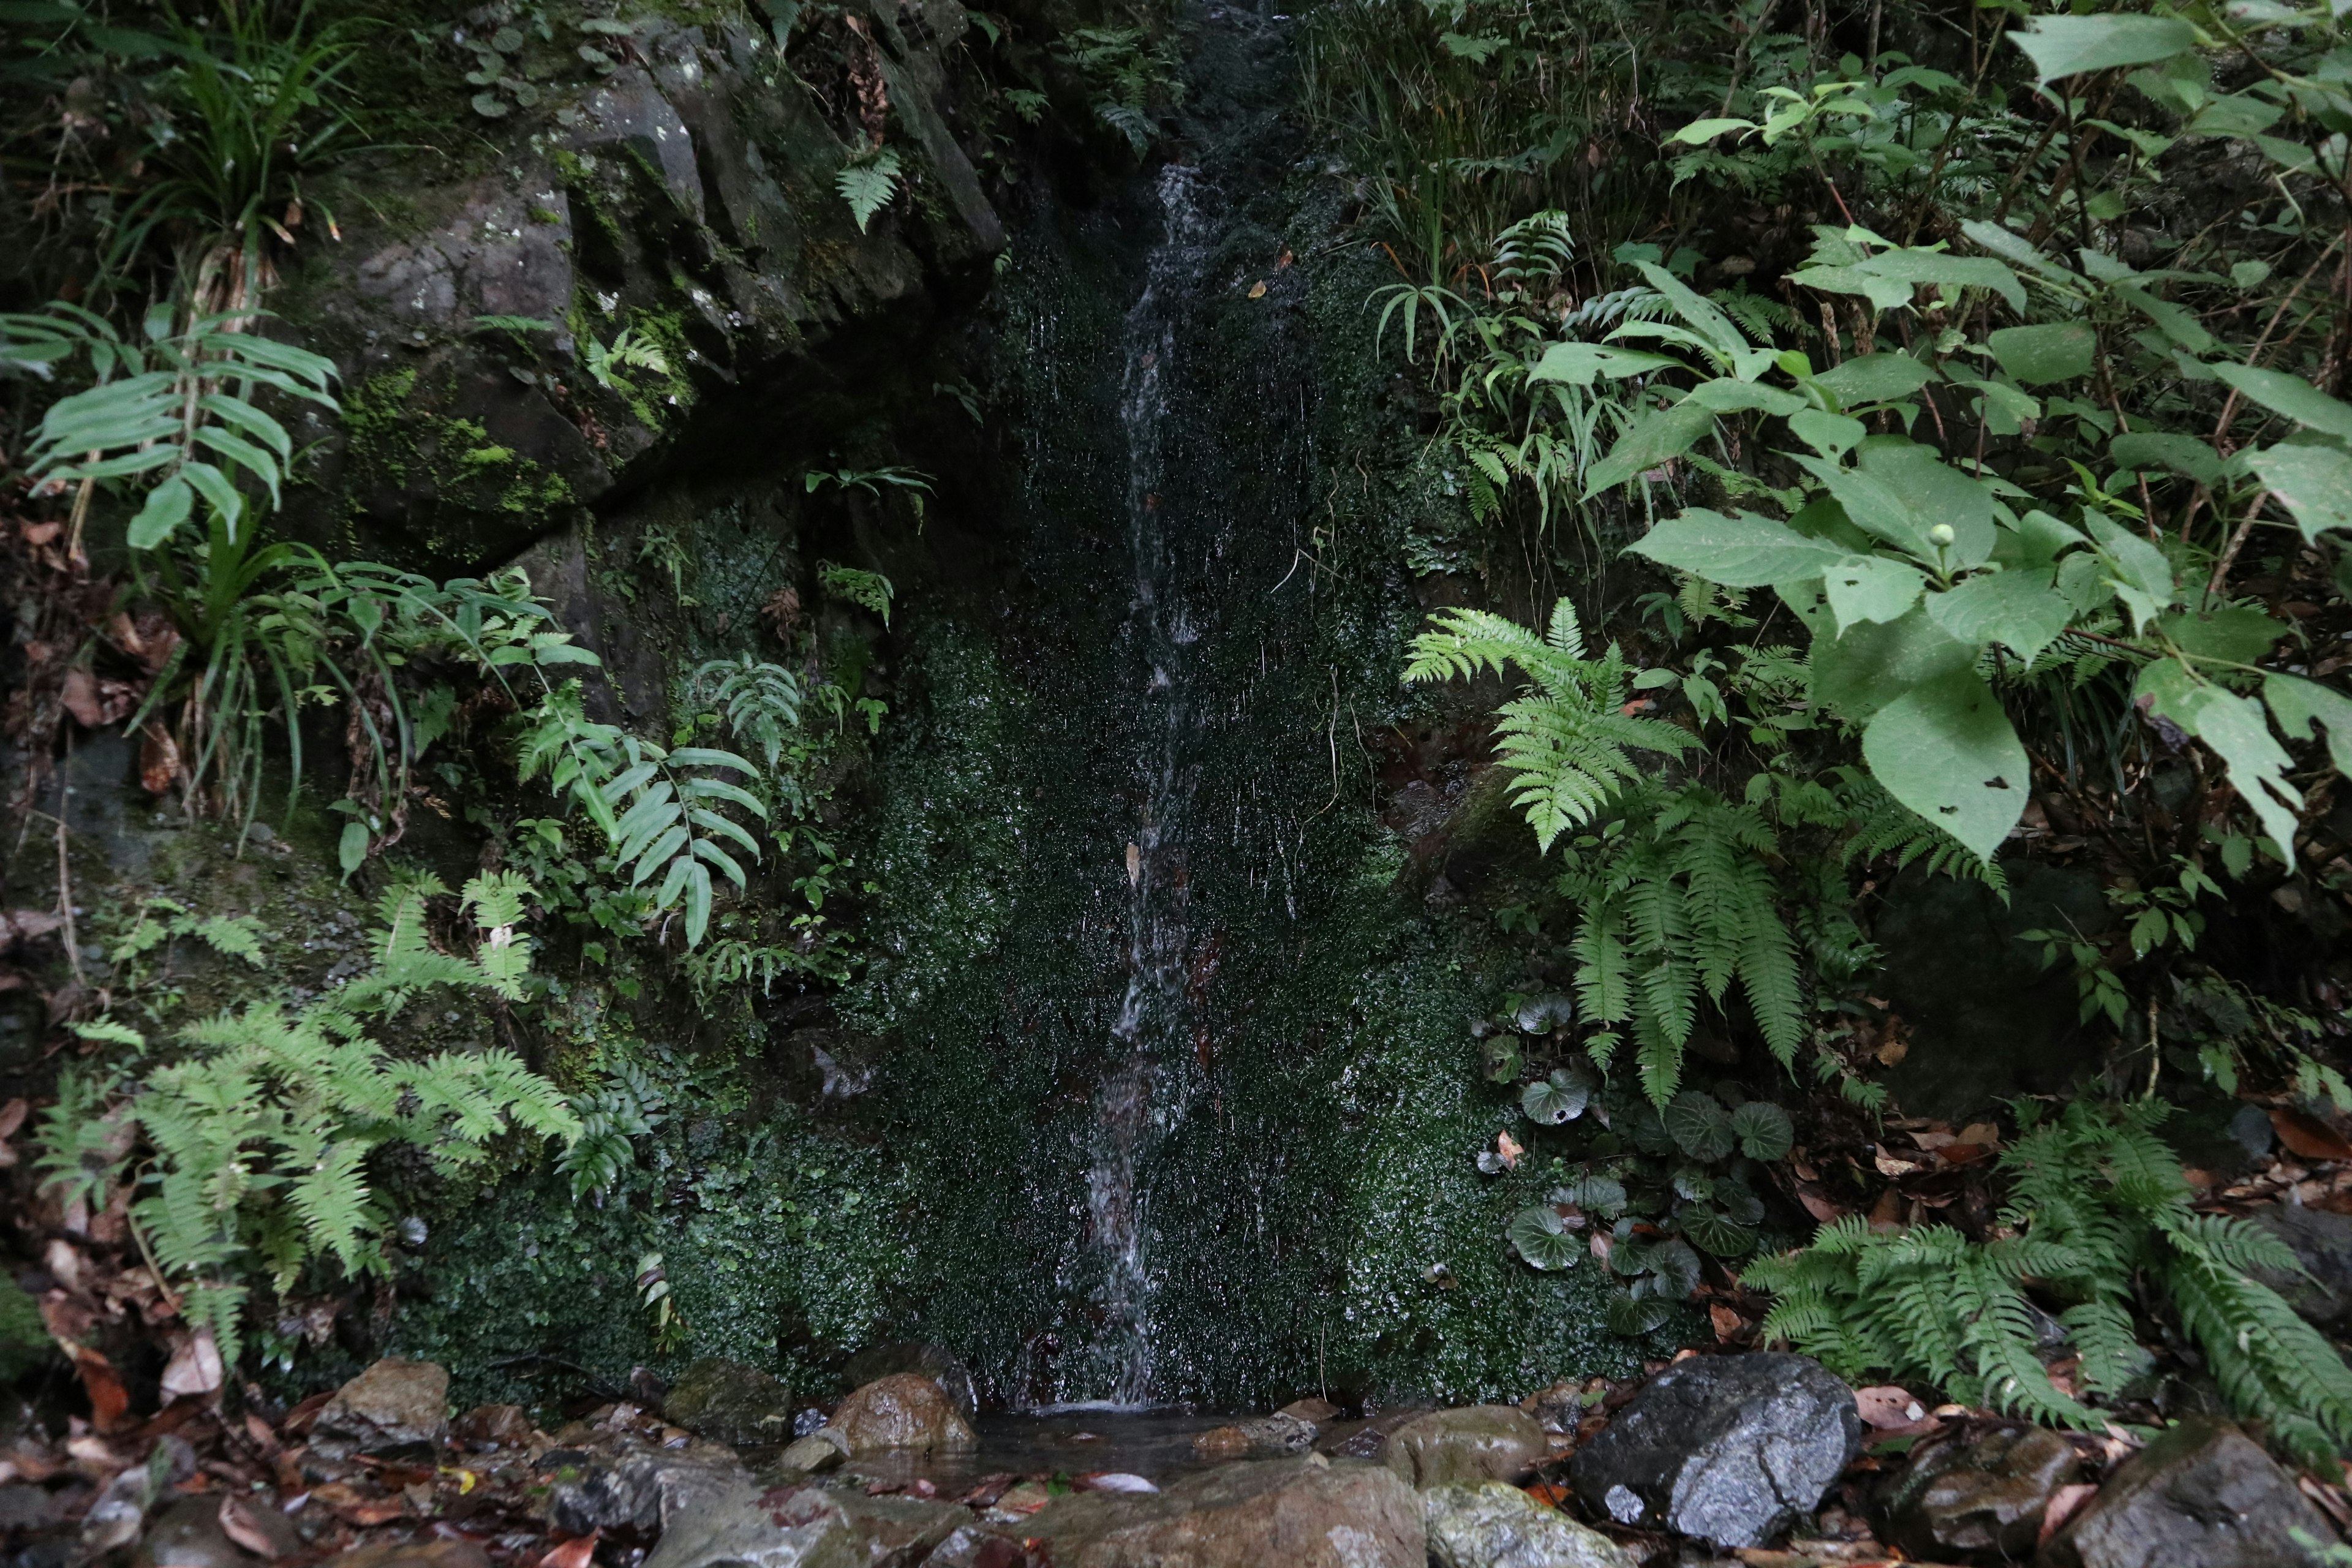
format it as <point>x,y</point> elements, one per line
<point>1981,1498</point>
<point>392,1404</point>
<point>624,1481</point>
<point>727,1402</point>
<point>2204,1495</point>
<point>1301,1513</point>
<point>2322,1243</point>
<point>1728,1448</point>
<point>1496,1525</point>
<point>1477,1443</point>
<point>903,1410</point>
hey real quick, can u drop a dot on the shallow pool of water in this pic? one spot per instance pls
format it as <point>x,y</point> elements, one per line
<point>1154,1444</point>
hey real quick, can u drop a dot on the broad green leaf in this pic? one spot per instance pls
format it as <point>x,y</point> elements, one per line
<point>2160,449</point>
<point>1677,1269</point>
<point>1654,438</point>
<point>1699,1125</point>
<point>1875,378</point>
<point>1830,435</point>
<point>167,507</point>
<point>351,851</point>
<point>1702,314</point>
<point>2291,396</point>
<point>2297,704</point>
<point>1874,508</point>
<point>2018,250</point>
<point>1700,131</point>
<point>1579,365</point>
<point>1937,493</point>
<point>1871,588</point>
<point>2235,114</point>
<point>2036,356</point>
<point>1884,292</point>
<point>2139,572</point>
<point>2234,634</point>
<point>2018,609</point>
<point>2313,482</point>
<point>1742,552</point>
<point>1727,395</point>
<point>1763,1129</point>
<point>2236,730</point>
<point>1538,1235</point>
<point>1720,1234</point>
<point>1946,750</point>
<point>2069,45</point>
<point>1559,1097</point>
<point>1863,668</point>
<point>1910,267</point>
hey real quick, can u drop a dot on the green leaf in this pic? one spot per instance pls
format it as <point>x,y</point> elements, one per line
<point>2162,449</point>
<point>1866,667</point>
<point>1830,435</point>
<point>2069,45</point>
<point>1717,1233</point>
<point>167,507</point>
<point>1633,1316</point>
<point>2138,571</point>
<point>868,187</point>
<point>1886,293</point>
<point>1538,1235</point>
<point>1763,1129</point>
<point>1698,133</point>
<point>2291,396</point>
<point>1728,395</point>
<point>1876,378</point>
<point>2314,483</point>
<point>2235,729</point>
<point>1677,1268</point>
<point>1555,1099</point>
<point>1657,436</point>
<point>1935,492</point>
<point>2018,609</point>
<point>2235,634</point>
<point>1911,268</point>
<point>351,851</point>
<point>1871,588</point>
<point>2297,704</point>
<point>1946,749</point>
<point>2035,356</point>
<point>1742,552</point>
<point>1579,365</point>
<point>1698,1124</point>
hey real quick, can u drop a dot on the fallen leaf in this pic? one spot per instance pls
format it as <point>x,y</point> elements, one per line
<point>1983,1132</point>
<point>1818,1204</point>
<point>2307,1135</point>
<point>1258,291</point>
<point>1551,1494</point>
<point>12,1116</point>
<point>1134,864</point>
<point>195,1368</point>
<point>159,760</point>
<point>576,1553</point>
<point>1509,1148</point>
<point>2064,1503</point>
<point>80,697</point>
<point>1283,260</point>
<point>237,1522</point>
<point>1887,1212</point>
<point>1726,1321</point>
<point>1887,1407</point>
<point>1963,1153</point>
<point>1891,1164</point>
<point>39,533</point>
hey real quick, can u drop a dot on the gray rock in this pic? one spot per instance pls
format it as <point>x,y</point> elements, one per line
<point>1556,1408</point>
<point>392,1405</point>
<point>787,1527</point>
<point>1729,1449</point>
<point>2322,1243</point>
<point>1262,1437</point>
<point>1496,1525</point>
<point>1984,1498</point>
<point>2204,1495</point>
<point>727,1402</point>
<point>821,1449</point>
<point>626,1481</point>
<point>1475,1443</point>
<point>1306,1512</point>
<point>189,1533</point>
<point>938,1362</point>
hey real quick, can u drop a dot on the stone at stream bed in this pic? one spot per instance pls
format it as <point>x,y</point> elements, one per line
<point>727,1402</point>
<point>392,1405</point>
<point>1475,1443</point>
<point>1959,1500</point>
<point>821,1449</point>
<point>903,1410</point>
<point>2321,1242</point>
<point>189,1535</point>
<point>1306,1512</point>
<point>2202,1495</point>
<point>1556,1408</point>
<point>1729,1449</point>
<point>738,1522</point>
<point>414,1555</point>
<point>1496,1525</point>
<point>1266,1437</point>
<point>938,1362</point>
<point>623,1480</point>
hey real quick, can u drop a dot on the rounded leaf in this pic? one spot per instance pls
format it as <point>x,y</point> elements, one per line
<point>1696,1121</point>
<point>1646,1129</point>
<point>491,106</point>
<point>1632,1316</point>
<point>1501,1054</point>
<point>1677,1269</point>
<point>1557,1098</point>
<point>1692,1183</point>
<point>1599,1193</point>
<point>1542,1014</point>
<point>1763,1129</point>
<point>1946,749</point>
<point>507,41</point>
<point>1717,1233</point>
<point>1540,1236</point>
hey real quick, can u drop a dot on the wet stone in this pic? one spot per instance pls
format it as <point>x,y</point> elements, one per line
<point>938,1363</point>
<point>2321,1242</point>
<point>727,1402</point>
<point>1306,1512</point>
<point>414,1555</point>
<point>903,1410</point>
<point>1496,1525</point>
<point>1728,1448</point>
<point>2204,1495</point>
<point>1985,1498</point>
<point>1475,1443</point>
<point>1265,1437</point>
<point>395,1403</point>
<point>626,1481</point>
<point>820,1526</point>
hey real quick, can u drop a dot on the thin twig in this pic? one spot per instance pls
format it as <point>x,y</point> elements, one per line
<point>65,871</point>
<point>2237,541</point>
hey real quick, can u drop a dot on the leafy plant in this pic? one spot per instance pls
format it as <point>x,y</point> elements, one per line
<point>629,350</point>
<point>249,1153</point>
<point>2099,1219</point>
<point>867,183</point>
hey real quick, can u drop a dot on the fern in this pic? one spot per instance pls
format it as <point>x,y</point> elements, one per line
<point>1568,739</point>
<point>257,1141</point>
<point>2098,1208</point>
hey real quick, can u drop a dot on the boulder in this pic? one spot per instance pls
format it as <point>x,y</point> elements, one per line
<point>2204,1495</point>
<point>727,1402</point>
<point>903,1410</point>
<point>2321,1242</point>
<point>1266,1437</point>
<point>413,1554</point>
<point>1729,1449</point>
<point>738,1522</point>
<point>1368,1439</point>
<point>1475,1443</point>
<point>1496,1525</point>
<point>192,1534</point>
<point>1306,1512</point>
<point>821,1450</point>
<point>1985,1498</point>
<point>395,1403</point>
<point>938,1362</point>
<point>624,1481</point>
<point>1556,1408</point>
<point>1314,1410</point>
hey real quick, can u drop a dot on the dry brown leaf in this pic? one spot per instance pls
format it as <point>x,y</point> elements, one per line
<point>1817,1204</point>
<point>1258,291</point>
<point>2307,1135</point>
<point>80,697</point>
<point>2064,1504</point>
<point>1726,1321</point>
<point>577,1553</point>
<point>194,1369</point>
<point>1887,1407</point>
<point>238,1523</point>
